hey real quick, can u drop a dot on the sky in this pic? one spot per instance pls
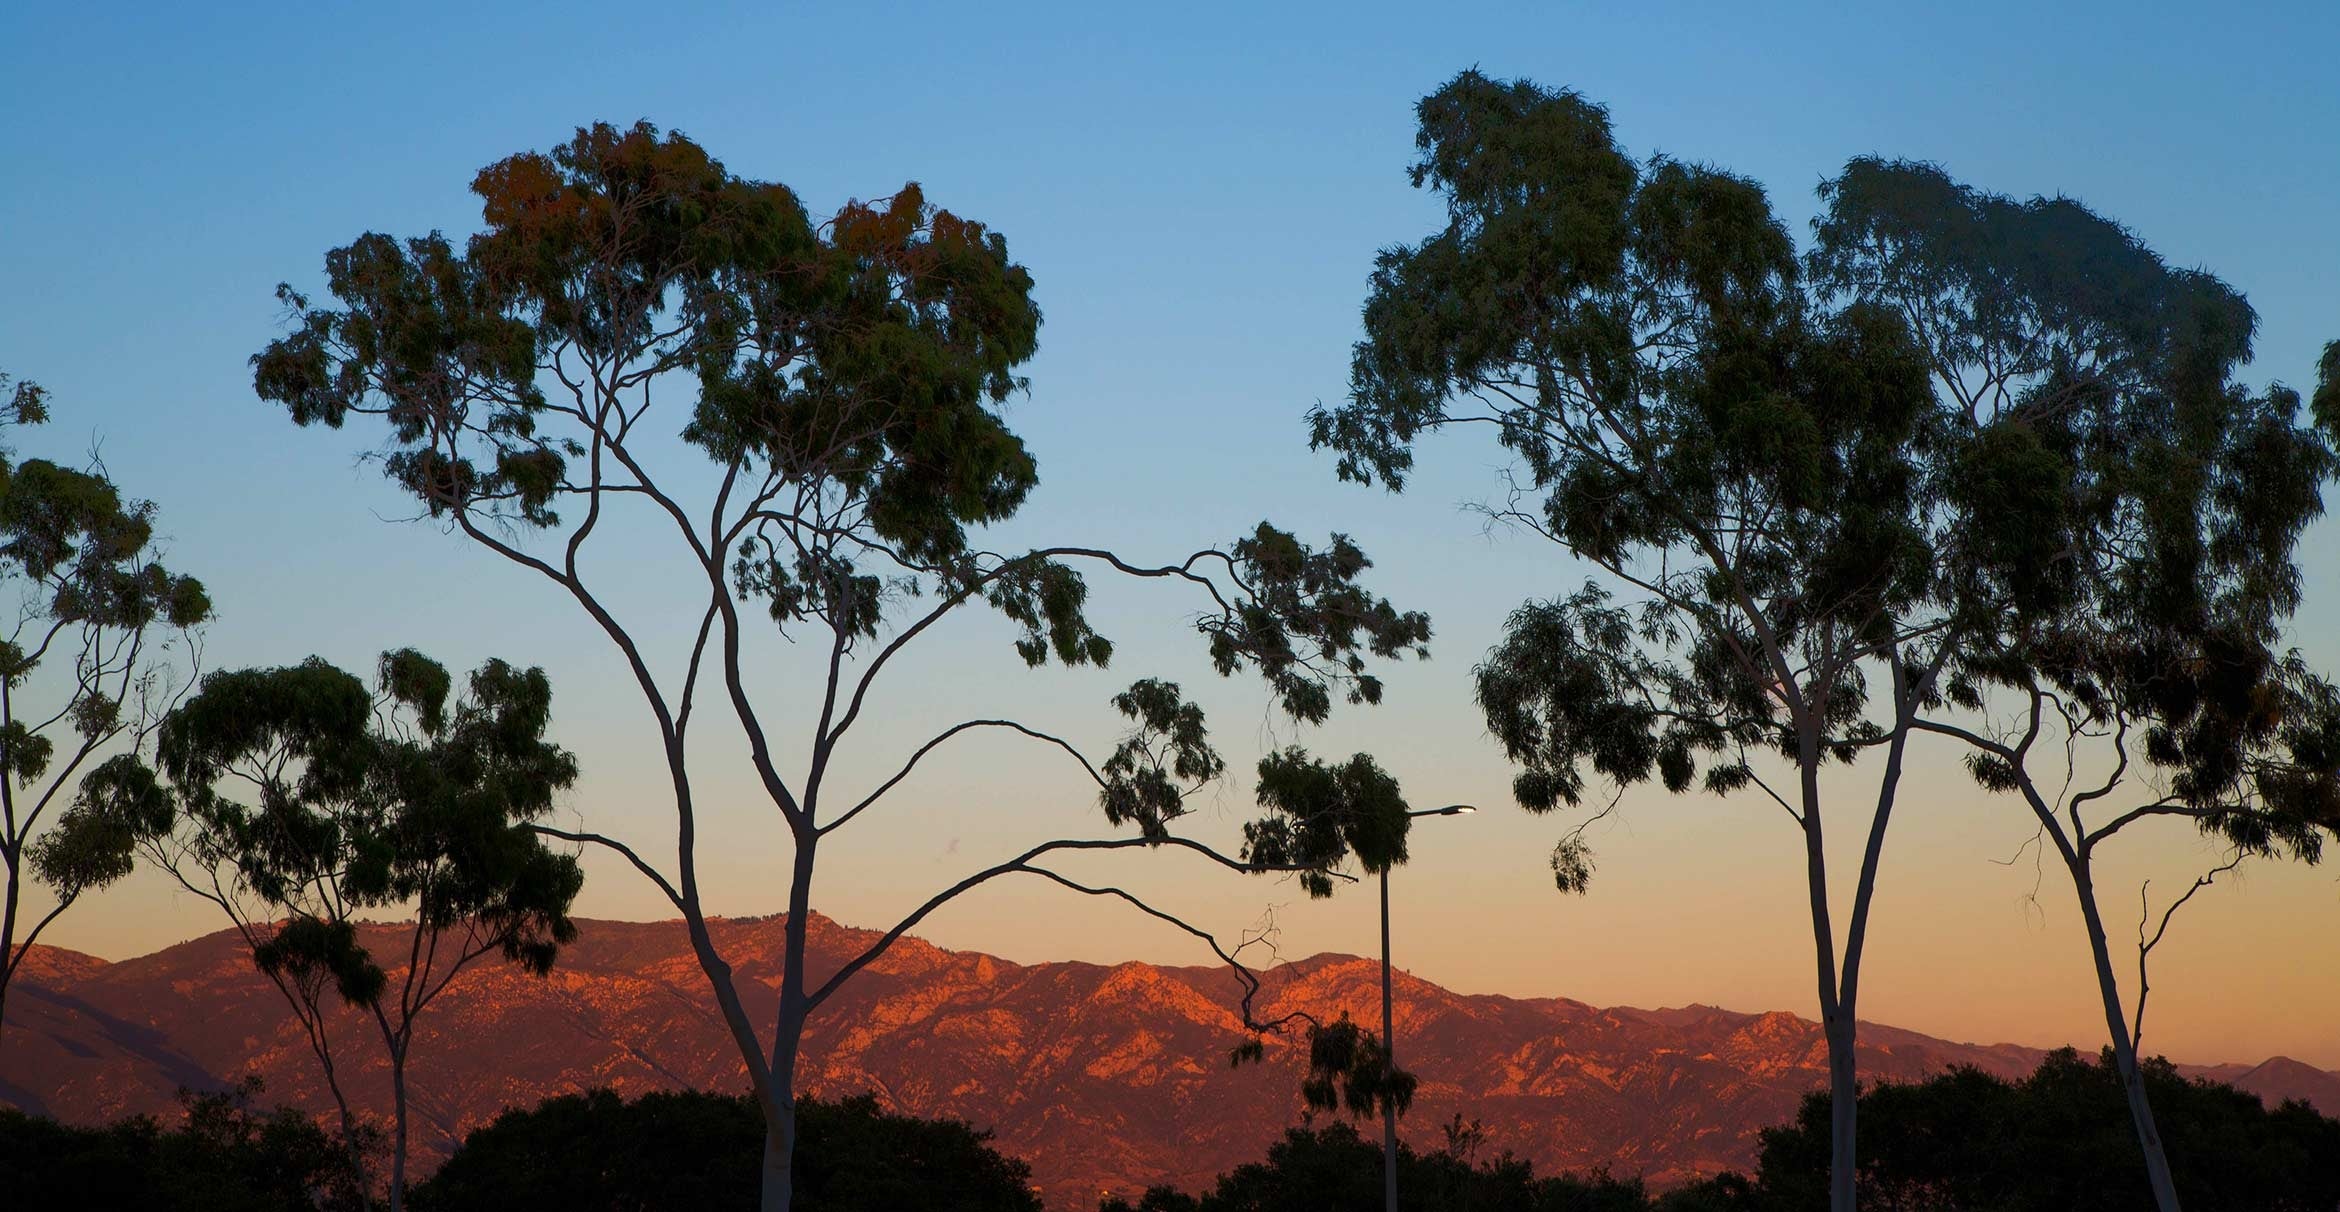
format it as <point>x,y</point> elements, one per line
<point>1199,192</point>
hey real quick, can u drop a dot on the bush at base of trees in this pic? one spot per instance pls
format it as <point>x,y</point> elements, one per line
<point>2058,1141</point>
<point>685,1151</point>
<point>1335,1169</point>
<point>224,1157</point>
<point>1965,1141</point>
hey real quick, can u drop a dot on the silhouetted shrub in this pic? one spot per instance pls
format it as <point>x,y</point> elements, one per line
<point>686,1151</point>
<point>1336,1169</point>
<point>222,1157</point>
<point>2059,1140</point>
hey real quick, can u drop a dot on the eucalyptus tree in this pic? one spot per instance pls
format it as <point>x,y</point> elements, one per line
<point>1769,487</point>
<point>396,799</point>
<point>836,386</point>
<point>2130,665</point>
<point>95,653</point>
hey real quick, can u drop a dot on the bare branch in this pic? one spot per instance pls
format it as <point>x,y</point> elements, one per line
<point>2146,945</point>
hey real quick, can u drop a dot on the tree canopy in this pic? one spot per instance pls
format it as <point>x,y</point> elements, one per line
<point>223,1154</point>
<point>682,1151</point>
<point>2059,1140</point>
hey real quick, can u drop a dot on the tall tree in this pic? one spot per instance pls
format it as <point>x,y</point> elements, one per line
<point>2130,663</point>
<point>1767,480</point>
<point>396,799</point>
<point>841,382</point>
<point>93,657</point>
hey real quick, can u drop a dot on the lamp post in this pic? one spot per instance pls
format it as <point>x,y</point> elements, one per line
<point>1389,1031</point>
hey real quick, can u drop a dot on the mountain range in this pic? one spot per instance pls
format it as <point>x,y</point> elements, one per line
<point>1104,1078</point>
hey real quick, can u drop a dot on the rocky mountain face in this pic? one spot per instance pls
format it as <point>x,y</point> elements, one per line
<point>1103,1078</point>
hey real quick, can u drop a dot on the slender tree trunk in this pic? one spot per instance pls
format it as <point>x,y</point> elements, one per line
<point>8,939</point>
<point>398,1131</point>
<point>1843,1115</point>
<point>1839,1029</point>
<point>1844,1091</point>
<point>1389,1146</point>
<point>780,1154</point>
<point>2124,1048</point>
<point>350,1146</point>
<point>787,1036</point>
<point>1835,1019</point>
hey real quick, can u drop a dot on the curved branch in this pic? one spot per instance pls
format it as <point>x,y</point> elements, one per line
<point>2166,806</point>
<point>1243,975</point>
<point>974,584</point>
<point>947,734</point>
<point>2145,946</point>
<point>1023,862</point>
<point>640,864</point>
<point>24,946</point>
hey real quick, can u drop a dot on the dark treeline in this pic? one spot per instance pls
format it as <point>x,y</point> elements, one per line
<point>1965,1141</point>
<point>224,1155</point>
<point>592,1152</point>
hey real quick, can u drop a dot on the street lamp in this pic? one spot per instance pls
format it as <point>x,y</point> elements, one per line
<point>1389,1033</point>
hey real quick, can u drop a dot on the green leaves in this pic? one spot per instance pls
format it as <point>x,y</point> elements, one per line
<point>1349,1069</point>
<point>71,533</point>
<point>1306,626</point>
<point>1994,438</point>
<point>417,683</point>
<point>1320,814</point>
<point>1045,598</point>
<point>861,359</point>
<point>1166,754</point>
<point>22,401</point>
<point>94,841</point>
<point>2125,513</point>
<point>1640,338</point>
<point>315,954</point>
<point>1571,687</point>
<point>24,754</point>
<point>369,800</point>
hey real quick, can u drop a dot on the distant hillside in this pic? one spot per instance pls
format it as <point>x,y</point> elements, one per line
<point>1104,1078</point>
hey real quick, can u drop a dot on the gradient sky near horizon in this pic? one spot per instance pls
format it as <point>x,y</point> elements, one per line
<point>1199,191</point>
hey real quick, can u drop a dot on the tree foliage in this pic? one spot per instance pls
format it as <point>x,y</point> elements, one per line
<point>92,658</point>
<point>1334,1169</point>
<point>685,1150</point>
<point>222,1155</point>
<point>2058,1139</point>
<point>371,800</point>
<point>299,802</point>
<point>1769,477</point>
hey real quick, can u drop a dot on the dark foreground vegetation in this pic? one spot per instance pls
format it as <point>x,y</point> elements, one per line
<point>2056,1141</point>
<point>224,1155</point>
<point>670,1152</point>
<point>592,1152</point>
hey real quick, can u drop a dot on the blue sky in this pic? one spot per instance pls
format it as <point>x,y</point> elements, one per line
<point>1199,191</point>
